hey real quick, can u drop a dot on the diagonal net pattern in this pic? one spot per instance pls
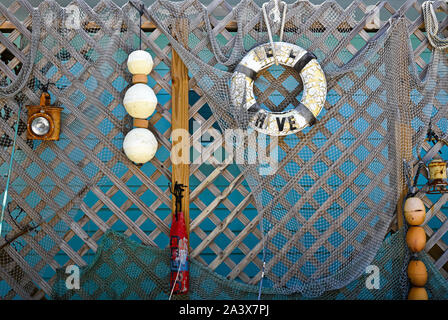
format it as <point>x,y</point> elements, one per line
<point>59,188</point>
<point>57,215</point>
<point>328,203</point>
<point>123,269</point>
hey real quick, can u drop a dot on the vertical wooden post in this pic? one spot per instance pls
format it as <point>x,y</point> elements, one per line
<point>179,121</point>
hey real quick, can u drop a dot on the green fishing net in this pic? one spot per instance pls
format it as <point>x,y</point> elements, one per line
<point>123,269</point>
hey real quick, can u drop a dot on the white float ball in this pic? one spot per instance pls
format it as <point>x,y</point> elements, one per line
<point>140,62</point>
<point>140,145</point>
<point>140,101</point>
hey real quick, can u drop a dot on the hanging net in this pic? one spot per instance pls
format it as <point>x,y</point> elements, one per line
<point>327,203</point>
<point>325,196</point>
<point>123,269</point>
<point>80,53</point>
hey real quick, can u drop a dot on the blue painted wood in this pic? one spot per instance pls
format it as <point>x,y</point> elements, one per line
<point>206,197</point>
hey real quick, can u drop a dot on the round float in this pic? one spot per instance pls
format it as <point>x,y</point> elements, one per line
<point>140,101</point>
<point>414,211</point>
<point>417,293</point>
<point>140,62</point>
<point>140,145</point>
<point>417,273</point>
<point>416,239</point>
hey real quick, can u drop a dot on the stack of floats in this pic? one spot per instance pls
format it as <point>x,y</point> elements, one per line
<point>415,214</point>
<point>140,102</point>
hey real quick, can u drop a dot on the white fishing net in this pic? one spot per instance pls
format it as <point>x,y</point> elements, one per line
<point>324,207</point>
<point>79,53</point>
<point>328,203</point>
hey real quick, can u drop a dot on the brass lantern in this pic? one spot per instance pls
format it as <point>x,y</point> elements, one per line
<point>44,120</point>
<point>437,176</point>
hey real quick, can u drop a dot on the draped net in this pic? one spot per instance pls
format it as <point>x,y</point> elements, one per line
<point>324,208</point>
<point>123,269</point>
<point>327,204</point>
<point>81,52</point>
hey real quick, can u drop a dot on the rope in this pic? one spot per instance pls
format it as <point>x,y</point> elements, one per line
<point>11,159</point>
<point>432,26</point>
<point>275,15</point>
<point>175,281</point>
<point>260,288</point>
<point>19,83</point>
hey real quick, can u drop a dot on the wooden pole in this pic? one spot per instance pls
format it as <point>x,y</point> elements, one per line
<point>179,123</point>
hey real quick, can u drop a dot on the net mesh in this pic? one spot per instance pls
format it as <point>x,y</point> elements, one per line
<point>324,207</point>
<point>79,51</point>
<point>123,269</point>
<point>327,204</point>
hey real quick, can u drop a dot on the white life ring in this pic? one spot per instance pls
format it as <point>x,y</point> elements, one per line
<point>314,88</point>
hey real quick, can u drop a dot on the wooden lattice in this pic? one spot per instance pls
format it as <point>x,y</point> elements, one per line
<point>224,233</point>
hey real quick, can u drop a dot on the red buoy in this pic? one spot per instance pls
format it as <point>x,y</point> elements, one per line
<point>179,261</point>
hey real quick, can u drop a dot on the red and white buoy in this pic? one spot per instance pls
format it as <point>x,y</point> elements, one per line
<point>179,261</point>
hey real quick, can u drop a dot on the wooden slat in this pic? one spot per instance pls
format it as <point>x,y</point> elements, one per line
<point>179,123</point>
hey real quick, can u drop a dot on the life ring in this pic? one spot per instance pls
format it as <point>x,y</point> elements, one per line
<point>286,122</point>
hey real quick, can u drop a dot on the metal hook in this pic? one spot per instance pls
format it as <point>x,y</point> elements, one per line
<point>44,87</point>
<point>177,191</point>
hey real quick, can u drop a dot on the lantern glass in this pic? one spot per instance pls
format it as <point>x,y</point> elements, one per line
<point>40,126</point>
<point>437,170</point>
<point>437,176</point>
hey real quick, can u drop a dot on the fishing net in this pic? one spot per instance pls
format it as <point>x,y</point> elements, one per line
<point>123,269</point>
<point>328,201</point>
<point>324,204</point>
<point>78,51</point>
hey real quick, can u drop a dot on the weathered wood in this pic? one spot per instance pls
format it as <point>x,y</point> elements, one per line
<point>180,127</point>
<point>216,202</point>
<point>231,26</point>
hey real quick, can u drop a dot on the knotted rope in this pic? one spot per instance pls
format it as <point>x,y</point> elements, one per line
<point>432,26</point>
<point>11,159</point>
<point>274,14</point>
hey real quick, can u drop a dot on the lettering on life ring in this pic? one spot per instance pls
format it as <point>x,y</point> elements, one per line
<point>286,122</point>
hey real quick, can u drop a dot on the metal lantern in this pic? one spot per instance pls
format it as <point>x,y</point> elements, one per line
<point>44,120</point>
<point>437,176</point>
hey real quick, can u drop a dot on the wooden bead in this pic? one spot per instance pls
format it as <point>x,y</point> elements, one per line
<point>414,211</point>
<point>139,78</point>
<point>141,123</point>
<point>417,293</point>
<point>417,273</point>
<point>416,239</point>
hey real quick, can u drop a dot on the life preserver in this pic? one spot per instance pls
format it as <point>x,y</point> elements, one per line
<point>314,88</point>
